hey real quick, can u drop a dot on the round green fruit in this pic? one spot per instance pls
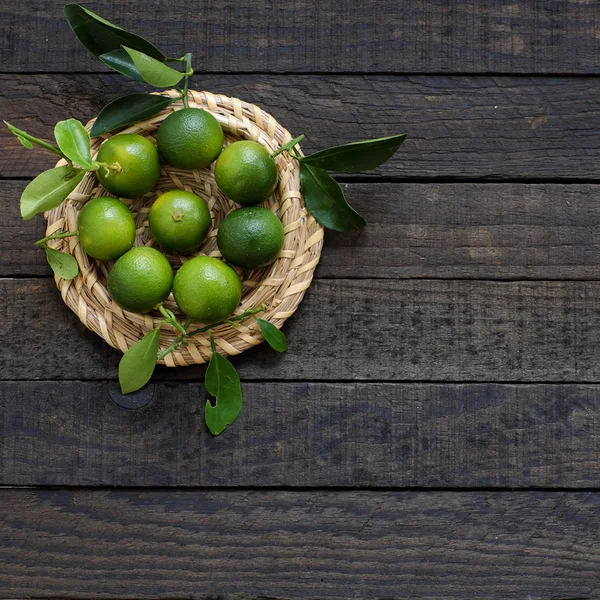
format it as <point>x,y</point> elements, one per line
<point>179,221</point>
<point>246,173</point>
<point>106,228</point>
<point>250,237</point>
<point>190,138</point>
<point>206,289</point>
<point>133,165</point>
<point>140,280</point>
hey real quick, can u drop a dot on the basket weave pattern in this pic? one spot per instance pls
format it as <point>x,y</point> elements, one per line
<point>280,286</point>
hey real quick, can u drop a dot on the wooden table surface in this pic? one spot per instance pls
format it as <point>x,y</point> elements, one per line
<point>434,430</point>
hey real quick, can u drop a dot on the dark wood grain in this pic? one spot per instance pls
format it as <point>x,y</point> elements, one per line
<point>459,127</point>
<point>353,330</point>
<point>248,35</point>
<point>500,231</point>
<point>304,434</point>
<point>252,544</point>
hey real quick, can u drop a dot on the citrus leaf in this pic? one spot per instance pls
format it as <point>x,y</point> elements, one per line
<point>138,363</point>
<point>357,156</point>
<point>222,382</point>
<point>152,71</point>
<point>325,200</point>
<point>288,146</point>
<point>28,140</point>
<point>63,264</point>
<point>25,142</point>
<point>49,189</point>
<point>128,109</point>
<point>120,61</point>
<point>100,36</point>
<point>273,336</point>
<point>74,142</point>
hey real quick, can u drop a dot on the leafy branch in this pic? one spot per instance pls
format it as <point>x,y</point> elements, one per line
<point>134,57</point>
<point>323,195</point>
<point>138,59</point>
<point>221,381</point>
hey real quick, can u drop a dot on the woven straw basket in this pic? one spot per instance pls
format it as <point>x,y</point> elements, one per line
<point>280,286</point>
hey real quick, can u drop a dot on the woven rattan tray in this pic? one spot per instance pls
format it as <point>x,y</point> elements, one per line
<point>280,286</point>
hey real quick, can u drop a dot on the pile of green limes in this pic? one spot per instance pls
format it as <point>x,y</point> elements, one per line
<point>206,289</point>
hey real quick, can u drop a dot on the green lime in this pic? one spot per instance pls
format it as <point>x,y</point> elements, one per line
<point>190,138</point>
<point>250,237</point>
<point>133,165</point>
<point>179,221</point>
<point>106,228</point>
<point>246,173</point>
<point>207,289</point>
<point>140,280</point>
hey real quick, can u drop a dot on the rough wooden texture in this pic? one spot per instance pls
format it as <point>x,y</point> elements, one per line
<point>522,36</point>
<point>500,231</point>
<point>459,127</point>
<point>317,545</point>
<point>353,330</point>
<point>304,434</point>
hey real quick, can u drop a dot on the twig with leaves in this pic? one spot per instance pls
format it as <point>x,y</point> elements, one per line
<point>221,380</point>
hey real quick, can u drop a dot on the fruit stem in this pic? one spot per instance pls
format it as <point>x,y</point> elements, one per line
<point>56,236</point>
<point>188,73</point>
<point>115,167</point>
<point>171,319</point>
<point>241,317</point>
<point>23,135</point>
<point>172,347</point>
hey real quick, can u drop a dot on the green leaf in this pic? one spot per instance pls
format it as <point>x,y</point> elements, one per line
<point>100,36</point>
<point>138,363</point>
<point>273,336</point>
<point>28,140</point>
<point>357,156</point>
<point>63,264</point>
<point>152,71</point>
<point>288,146</point>
<point>222,382</point>
<point>74,141</point>
<point>120,61</point>
<point>128,109</point>
<point>325,200</point>
<point>49,189</point>
<point>25,142</point>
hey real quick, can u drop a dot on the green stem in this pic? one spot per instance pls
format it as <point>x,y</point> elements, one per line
<point>172,347</point>
<point>56,236</point>
<point>34,140</point>
<point>290,147</point>
<point>247,313</point>
<point>171,318</point>
<point>186,81</point>
<point>114,166</point>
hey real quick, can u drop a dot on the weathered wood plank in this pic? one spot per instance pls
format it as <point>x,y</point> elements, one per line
<point>500,231</point>
<point>353,330</point>
<point>460,127</point>
<point>386,36</point>
<point>253,544</point>
<point>359,435</point>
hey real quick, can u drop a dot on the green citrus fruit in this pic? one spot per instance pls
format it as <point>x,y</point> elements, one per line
<point>246,173</point>
<point>250,237</point>
<point>179,221</point>
<point>190,138</point>
<point>140,280</point>
<point>207,289</point>
<point>106,228</point>
<point>136,165</point>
